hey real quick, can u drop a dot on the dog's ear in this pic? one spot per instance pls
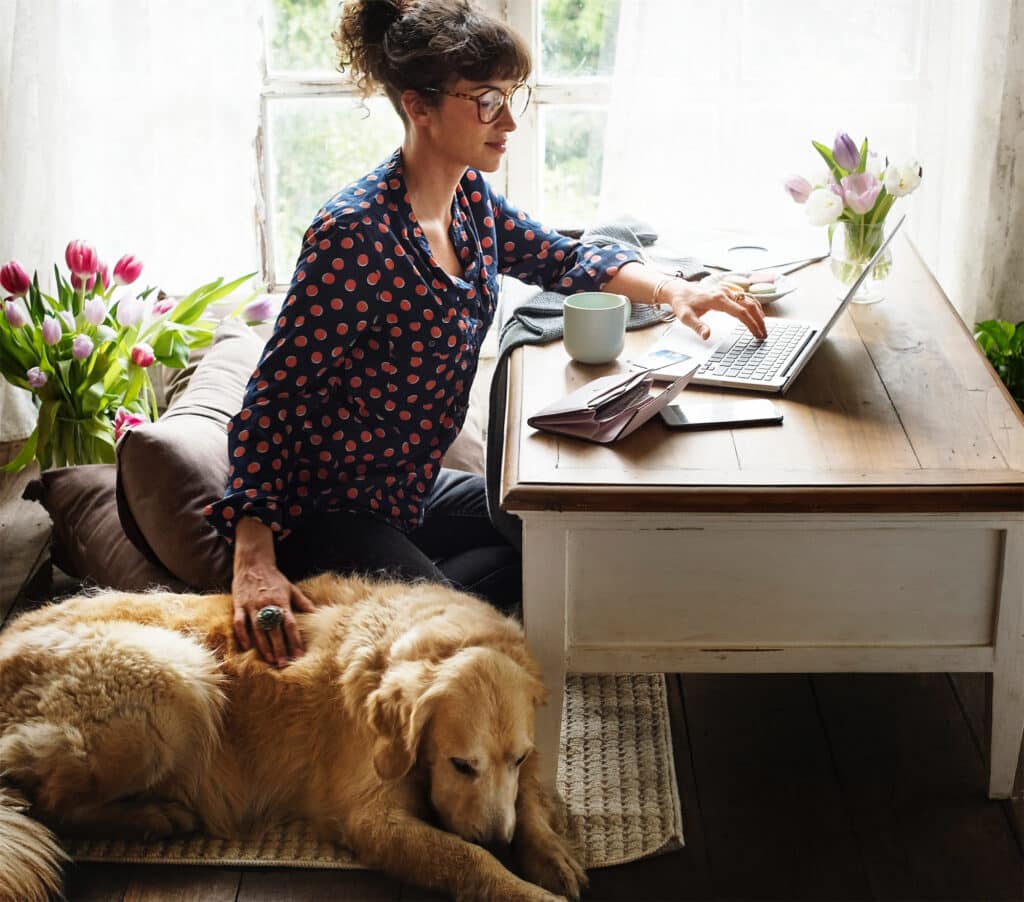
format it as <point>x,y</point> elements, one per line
<point>398,711</point>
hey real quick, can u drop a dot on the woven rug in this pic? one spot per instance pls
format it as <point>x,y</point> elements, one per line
<point>615,774</point>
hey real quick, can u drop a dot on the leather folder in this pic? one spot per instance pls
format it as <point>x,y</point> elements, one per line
<point>611,407</point>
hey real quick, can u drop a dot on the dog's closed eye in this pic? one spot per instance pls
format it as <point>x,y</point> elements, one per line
<point>463,767</point>
<point>522,758</point>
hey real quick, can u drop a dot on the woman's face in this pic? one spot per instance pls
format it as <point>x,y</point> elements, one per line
<point>459,134</point>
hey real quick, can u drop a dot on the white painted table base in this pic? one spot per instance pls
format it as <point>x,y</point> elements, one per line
<point>779,593</point>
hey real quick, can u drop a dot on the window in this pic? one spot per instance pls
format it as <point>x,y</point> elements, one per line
<point>720,98</point>
<point>316,135</point>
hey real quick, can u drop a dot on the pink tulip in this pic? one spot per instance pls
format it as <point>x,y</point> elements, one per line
<point>142,355</point>
<point>127,270</point>
<point>95,311</point>
<point>77,282</point>
<point>51,330</point>
<point>860,191</point>
<point>845,152</point>
<point>261,309</point>
<point>125,420</point>
<point>81,258</point>
<point>14,278</point>
<point>164,306</point>
<point>15,313</point>
<point>36,378</point>
<point>81,347</point>
<point>798,188</point>
<point>104,277</point>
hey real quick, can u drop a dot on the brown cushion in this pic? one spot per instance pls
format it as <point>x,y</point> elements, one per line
<point>87,540</point>
<point>168,471</point>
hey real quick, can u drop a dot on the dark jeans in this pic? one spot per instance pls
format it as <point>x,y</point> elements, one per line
<point>456,545</point>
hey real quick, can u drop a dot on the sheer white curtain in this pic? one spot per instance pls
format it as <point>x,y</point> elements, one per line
<point>716,101</point>
<point>129,125</point>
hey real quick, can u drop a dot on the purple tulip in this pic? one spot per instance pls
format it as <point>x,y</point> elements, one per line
<point>260,310</point>
<point>14,278</point>
<point>142,355</point>
<point>860,191</point>
<point>51,330</point>
<point>81,347</point>
<point>124,420</point>
<point>845,152</point>
<point>15,313</point>
<point>95,311</point>
<point>36,377</point>
<point>81,259</point>
<point>798,188</point>
<point>130,310</point>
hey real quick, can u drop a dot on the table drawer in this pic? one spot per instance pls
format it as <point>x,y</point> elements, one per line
<point>699,587</point>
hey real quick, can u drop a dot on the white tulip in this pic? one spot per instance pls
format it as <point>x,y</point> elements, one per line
<point>875,165</point>
<point>823,207</point>
<point>901,179</point>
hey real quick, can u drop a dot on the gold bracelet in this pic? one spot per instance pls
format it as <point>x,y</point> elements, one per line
<point>657,290</point>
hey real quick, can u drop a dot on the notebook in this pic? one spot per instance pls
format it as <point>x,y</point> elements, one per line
<point>739,360</point>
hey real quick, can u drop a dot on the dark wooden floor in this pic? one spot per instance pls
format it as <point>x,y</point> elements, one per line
<point>793,787</point>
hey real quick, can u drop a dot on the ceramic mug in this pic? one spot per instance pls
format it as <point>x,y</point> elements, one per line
<point>595,326</point>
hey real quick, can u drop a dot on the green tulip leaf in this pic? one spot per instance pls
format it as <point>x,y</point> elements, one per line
<point>25,455</point>
<point>826,155</point>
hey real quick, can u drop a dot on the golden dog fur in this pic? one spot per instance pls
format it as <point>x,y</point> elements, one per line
<point>405,730</point>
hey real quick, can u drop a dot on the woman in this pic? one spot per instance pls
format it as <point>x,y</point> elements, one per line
<point>365,382</point>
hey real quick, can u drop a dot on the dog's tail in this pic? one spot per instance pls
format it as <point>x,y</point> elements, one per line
<point>30,857</point>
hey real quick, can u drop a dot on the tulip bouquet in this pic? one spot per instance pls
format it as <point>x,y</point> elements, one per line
<point>85,354</point>
<point>855,194</point>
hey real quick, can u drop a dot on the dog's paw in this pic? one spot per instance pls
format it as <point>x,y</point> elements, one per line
<point>159,820</point>
<point>552,865</point>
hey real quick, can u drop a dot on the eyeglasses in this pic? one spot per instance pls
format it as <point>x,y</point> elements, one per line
<point>490,102</point>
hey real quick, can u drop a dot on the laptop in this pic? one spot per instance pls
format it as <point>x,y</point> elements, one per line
<point>742,361</point>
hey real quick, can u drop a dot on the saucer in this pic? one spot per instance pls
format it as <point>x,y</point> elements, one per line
<point>779,288</point>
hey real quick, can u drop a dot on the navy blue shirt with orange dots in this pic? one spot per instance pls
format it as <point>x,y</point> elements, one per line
<point>365,382</point>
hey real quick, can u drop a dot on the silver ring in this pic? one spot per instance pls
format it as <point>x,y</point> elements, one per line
<point>269,617</point>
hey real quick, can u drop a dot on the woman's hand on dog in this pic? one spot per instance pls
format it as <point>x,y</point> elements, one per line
<point>257,583</point>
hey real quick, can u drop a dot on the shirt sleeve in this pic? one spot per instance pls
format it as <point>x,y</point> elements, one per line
<point>535,254</point>
<point>273,443</point>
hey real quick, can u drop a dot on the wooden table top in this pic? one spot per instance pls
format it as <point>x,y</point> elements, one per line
<point>897,411</point>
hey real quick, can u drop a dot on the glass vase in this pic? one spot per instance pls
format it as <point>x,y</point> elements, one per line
<point>853,246</point>
<point>80,440</point>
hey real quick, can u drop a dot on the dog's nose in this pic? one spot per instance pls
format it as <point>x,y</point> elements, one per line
<point>501,829</point>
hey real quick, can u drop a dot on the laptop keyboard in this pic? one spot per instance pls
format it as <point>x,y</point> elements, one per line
<point>747,358</point>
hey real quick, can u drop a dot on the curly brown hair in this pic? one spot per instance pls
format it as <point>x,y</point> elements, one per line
<point>401,45</point>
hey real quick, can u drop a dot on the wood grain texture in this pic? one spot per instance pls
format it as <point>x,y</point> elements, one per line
<point>897,410</point>
<point>915,784</point>
<point>181,883</point>
<point>774,819</point>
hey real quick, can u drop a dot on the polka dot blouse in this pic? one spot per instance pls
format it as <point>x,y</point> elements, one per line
<point>365,382</point>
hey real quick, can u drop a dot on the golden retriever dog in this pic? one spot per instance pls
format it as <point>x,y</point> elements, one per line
<point>406,730</point>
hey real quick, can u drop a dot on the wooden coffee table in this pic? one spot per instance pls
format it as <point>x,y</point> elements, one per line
<point>881,528</point>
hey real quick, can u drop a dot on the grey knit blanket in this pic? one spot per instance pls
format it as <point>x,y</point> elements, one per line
<point>538,320</point>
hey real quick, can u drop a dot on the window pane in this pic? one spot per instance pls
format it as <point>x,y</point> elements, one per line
<point>578,37</point>
<point>299,35</point>
<point>573,155</point>
<point>316,146</point>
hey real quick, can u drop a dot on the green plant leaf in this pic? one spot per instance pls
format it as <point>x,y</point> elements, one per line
<point>826,155</point>
<point>25,455</point>
<point>862,165</point>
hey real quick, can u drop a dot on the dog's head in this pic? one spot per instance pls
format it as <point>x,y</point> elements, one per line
<point>468,720</point>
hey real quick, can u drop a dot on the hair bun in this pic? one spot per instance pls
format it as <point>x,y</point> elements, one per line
<point>378,16</point>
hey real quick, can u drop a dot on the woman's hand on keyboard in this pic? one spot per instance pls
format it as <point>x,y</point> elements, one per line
<point>690,301</point>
